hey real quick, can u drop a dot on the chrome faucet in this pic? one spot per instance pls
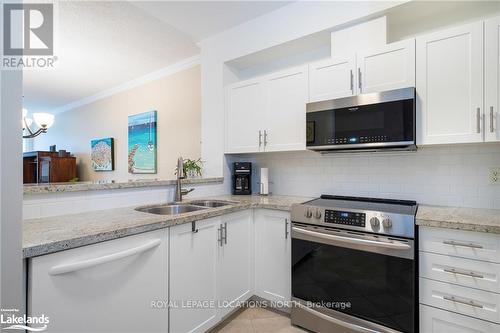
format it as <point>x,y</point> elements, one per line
<point>179,191</point>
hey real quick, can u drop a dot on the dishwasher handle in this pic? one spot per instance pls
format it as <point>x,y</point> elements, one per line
<point>87,263</point>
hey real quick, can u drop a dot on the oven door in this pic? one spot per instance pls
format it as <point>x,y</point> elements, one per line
<point>345,281</point>
<point>369,121</point>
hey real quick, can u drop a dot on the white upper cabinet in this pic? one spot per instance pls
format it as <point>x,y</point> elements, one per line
<point>388,67</point>
<point>286,110</point>
<point>450,85</point>
<point>332,78</point>
<point>245,103</point>
<point>492,79</point>
<point>268,113</point>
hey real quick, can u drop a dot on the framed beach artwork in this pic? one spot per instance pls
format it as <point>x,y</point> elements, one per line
<point>142,143</point>
<point>102,156</point>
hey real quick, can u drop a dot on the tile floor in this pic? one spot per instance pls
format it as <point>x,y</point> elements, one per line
<point>258,320</point>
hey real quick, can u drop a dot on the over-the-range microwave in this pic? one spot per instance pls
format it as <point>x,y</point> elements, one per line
<point>374,121</point>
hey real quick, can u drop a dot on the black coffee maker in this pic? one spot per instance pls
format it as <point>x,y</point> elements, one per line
<point>242,178</point>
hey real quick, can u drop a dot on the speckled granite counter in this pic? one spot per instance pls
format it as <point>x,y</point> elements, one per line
<point>29,189</point>
<point>472,219</point>
<point>53,234</point>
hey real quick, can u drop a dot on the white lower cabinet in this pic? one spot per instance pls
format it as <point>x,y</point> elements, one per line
<point>193,276</point>
<point>433,320</point>
<point>459,289</point>
<point>272,255</point>
<point>107,287</point>
<point>234,260</point>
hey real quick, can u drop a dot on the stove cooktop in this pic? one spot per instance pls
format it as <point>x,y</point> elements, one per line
<point>372,215</point>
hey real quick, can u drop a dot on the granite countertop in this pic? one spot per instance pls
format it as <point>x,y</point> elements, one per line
<point>471,219</point>
<point>53,234</point>
<point>110,185</point>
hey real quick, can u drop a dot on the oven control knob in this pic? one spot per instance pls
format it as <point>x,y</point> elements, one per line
<point>317,214</point>
<point>387,223</point>
<point>308,213</point>
<point>375,222</point>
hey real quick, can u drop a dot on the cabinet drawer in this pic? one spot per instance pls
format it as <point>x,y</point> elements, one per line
<point>465,272</point>
<point>465,244</point>
<point>472,302</point>
<point>434,320</point>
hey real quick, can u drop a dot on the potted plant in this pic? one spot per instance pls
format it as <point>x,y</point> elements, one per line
<point>192,168</point>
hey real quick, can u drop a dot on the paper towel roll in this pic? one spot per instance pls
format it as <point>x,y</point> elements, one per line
<point>264,181</point>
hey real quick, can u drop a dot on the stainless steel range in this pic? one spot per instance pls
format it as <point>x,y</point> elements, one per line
<point>353,265</point>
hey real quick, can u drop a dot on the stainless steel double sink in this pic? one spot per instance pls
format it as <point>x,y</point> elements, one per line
<point>181,208</point>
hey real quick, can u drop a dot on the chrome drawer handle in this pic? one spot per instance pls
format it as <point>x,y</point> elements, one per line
<point>463,244</point>
<point>463,272</point>
<point>463,301</point>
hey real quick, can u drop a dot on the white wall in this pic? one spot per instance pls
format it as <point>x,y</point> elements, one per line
<point>291,22</point>
<point>11,281</point>
<point>177,100</point>
<point>439,175</point>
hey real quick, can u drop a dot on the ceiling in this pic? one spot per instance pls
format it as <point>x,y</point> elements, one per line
<point>101,44</point>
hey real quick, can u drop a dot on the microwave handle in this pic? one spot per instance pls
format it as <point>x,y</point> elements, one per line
<point>348,240</point>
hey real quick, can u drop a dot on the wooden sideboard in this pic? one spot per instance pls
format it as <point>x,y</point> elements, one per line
<point>48,167</point>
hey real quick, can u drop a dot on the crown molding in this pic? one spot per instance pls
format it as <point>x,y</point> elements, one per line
<point>166,71</point>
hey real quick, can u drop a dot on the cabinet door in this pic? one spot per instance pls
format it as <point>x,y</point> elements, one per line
<point>193,262</point>
<point>389,67</point>
<point>450,85</point>
<point>434,320</point>
<point>332,78</point>
<point>244,117</point>
<point>235,261</point>
<point>272,255</point>
<point>286,110</point>
<point>115,286</point>
<point>492,79</point>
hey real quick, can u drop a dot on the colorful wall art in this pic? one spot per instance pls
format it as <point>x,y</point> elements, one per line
<point>142,143</point>
<point>102,154</point>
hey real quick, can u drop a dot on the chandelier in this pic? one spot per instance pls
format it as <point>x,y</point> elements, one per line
<point>43,120</point>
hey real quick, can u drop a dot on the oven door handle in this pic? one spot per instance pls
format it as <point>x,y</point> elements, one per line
<point>349,240</point>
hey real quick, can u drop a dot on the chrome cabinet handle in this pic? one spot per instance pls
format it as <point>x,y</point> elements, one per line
<point>219,238</point>
<point>224,228</point>
<point>463,244</point>
<point>260,138</point>
<point>265,138</point>
<point>359,79</point>
<point>286,229</point>
<point>492,117</point>
<point>351,77</point>
<point>462,301</point>
<point>478,120</point>
<point>463,272</point>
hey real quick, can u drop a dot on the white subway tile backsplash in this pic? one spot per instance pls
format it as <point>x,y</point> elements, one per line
<point>455,175</point>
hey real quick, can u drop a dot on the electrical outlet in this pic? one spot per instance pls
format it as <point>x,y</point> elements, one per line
<point>495,176</point>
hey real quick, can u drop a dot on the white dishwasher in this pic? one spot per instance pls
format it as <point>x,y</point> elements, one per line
<point>105,287</point>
